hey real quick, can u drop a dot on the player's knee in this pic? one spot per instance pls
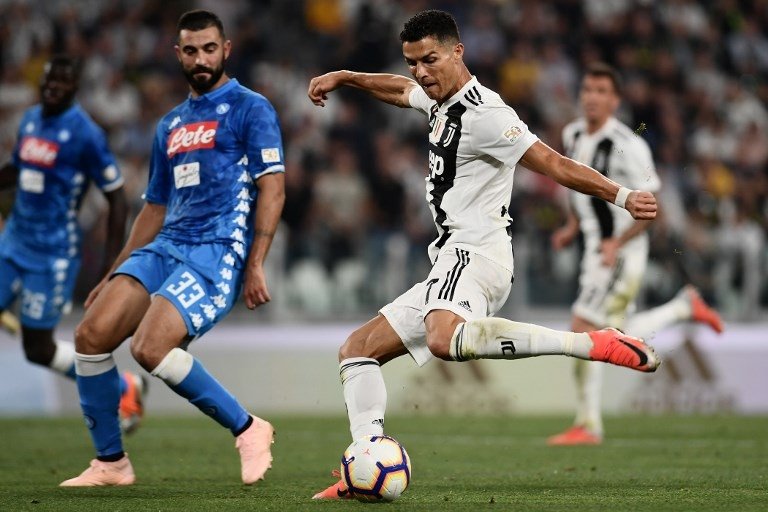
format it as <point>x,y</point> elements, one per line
<point>91,337</point>
<point>355,346</point>
<point>439,345</point>
<point>143,352</point>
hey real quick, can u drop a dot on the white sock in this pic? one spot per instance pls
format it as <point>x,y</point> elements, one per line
<point>589,382</point>
<point>499,338</point>
<point>647,323</point>
<point>365,395</point>
<point>92,365</point>
<point>64,357</point>
<point>174,367</point>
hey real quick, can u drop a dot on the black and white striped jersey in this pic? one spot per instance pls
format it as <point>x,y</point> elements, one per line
<point>621,155</point>
<point>475,142</point>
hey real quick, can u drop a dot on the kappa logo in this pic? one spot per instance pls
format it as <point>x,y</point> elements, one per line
<point>465,305</point>
<point>191,137</point>
<point>37,151</point>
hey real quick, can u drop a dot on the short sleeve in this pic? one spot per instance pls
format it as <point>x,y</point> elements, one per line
<point>99,162</point>
<point>263,142</point>
<point>419,100</point>
<point>642,170</point>
<point>500,133</point>
<point>159,185</point>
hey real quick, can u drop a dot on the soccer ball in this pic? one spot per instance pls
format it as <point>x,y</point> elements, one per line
<point>376,468</point>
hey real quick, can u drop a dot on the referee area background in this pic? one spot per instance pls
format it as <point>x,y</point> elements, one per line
<point>356,226</point>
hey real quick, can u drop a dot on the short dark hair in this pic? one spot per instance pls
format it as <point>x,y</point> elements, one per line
<point>601,69</point>
<point>432,22</point>
<point>199,19</point>
<point>67,61</point>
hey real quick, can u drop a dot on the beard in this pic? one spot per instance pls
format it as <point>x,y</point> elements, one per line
<point>202,85</point>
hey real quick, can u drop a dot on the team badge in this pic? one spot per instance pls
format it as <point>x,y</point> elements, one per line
<point>512,133</point>
<point>64,135</point>
<point>222,108</point>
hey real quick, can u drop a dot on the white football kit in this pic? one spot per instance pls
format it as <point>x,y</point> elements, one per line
<point>475,142</point>
<point>606,293</point>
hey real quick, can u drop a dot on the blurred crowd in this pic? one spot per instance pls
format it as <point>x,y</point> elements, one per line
<point>356,225</point>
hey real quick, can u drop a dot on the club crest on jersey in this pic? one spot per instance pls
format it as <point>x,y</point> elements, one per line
<point>191,137</point>
<point>40,152</point>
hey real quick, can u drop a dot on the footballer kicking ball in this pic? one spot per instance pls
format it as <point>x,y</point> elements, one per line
<point>376,468</point>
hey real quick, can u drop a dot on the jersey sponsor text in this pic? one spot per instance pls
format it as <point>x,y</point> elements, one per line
<point>38,151</point>
<point>192,136</point>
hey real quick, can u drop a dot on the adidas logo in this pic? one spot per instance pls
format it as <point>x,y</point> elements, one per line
<point>465,305</point>
<point>379,422</point>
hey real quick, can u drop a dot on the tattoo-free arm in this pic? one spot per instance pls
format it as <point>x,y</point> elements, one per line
<point>389,88</point>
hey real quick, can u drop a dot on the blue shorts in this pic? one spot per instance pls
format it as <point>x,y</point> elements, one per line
<point>201,280</point>
<point>45,287</point>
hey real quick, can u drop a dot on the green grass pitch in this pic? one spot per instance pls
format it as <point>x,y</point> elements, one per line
<point>476,463</point>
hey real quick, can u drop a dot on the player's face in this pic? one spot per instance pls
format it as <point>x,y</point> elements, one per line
<point>202,54</point>
<point>435,66</point>
<point>57,88</point>
<point>599,99</point>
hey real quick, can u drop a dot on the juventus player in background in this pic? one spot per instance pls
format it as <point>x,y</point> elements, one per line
<point>475,143</point>
<point>59,152</point>
<point>615,245</point>
<point>200,238</point>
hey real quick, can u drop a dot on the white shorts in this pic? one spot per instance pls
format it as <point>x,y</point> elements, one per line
<point>462,282</point>
<point>607,294</point>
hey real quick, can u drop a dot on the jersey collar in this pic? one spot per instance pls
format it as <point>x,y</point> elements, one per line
<point>456,97</point>
<point>216,94</point>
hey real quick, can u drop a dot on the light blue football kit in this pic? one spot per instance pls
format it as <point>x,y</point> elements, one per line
<point>206,156</point>
<point>57,158</point>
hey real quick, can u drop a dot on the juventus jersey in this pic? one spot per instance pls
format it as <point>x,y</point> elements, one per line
<point>621,155</point>
<point>475,142</point>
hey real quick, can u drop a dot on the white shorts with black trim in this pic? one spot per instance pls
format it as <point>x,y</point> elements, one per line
<point>460,281</point>
<point>607,294</point>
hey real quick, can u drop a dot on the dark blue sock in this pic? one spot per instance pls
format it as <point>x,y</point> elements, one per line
<point>208,395</point>
<point>71,372</point>
<point>100,399</point>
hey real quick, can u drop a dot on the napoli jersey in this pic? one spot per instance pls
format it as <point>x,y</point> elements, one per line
<point>57,157</point>
<point>475,143</point>
<point>621,155</point>
<point>207,153</point>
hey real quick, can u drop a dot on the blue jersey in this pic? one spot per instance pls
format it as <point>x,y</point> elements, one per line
<point>206,155</point>
<point>57,157</point>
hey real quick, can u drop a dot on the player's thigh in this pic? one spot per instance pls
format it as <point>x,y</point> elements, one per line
<point>606,294</point>
<point>376,339</point>
<point>113,316</point>
<point>10,282</point>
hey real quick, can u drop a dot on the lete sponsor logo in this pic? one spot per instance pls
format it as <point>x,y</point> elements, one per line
<point>192,136</point>
<point>40,152</point>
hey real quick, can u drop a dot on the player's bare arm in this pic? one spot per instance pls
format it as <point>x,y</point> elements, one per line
<point>564,236</point>
<point>118,212</point>
<point>544,160</point>
<point>8,176</point>
<point>389,88</point>
<point>147,225</point>
<point>268,209</point>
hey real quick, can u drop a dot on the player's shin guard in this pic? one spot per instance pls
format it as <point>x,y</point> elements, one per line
<point>189,379</point>
<point>99,386</point>
<point>63,360</point>
<point>365,395</point>
<point>499,338</point>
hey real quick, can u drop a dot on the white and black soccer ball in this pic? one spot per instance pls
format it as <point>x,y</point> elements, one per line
<point>376,468</point>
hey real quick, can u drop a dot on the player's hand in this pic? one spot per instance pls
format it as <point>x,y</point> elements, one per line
<point>562,237</point>
<point>320,86</point>
<point>641,205</point>
<point>609,251</point>
<point>255,291</point>
<point>95,292</point>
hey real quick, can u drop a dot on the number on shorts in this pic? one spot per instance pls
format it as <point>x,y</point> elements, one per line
<point>32,304</point>
<point>186,299</point>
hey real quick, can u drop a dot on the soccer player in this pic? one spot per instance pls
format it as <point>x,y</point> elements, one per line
<point>59,151</point>
<point>214,198</point>
<point>615,245</point>
<point>475,143</point>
